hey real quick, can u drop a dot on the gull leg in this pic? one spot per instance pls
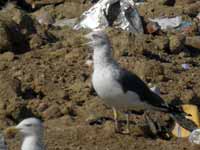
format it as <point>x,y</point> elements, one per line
<point>150,123</point>
<point>127,130</point>
<point>116,119</point>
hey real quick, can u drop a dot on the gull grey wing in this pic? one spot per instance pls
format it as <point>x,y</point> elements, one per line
<point>131,82</point>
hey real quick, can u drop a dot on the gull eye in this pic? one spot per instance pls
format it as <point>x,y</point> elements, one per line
<point>28,125</point>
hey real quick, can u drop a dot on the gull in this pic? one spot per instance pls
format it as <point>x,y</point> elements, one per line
<point>31,130</point>
<point>3,145</point>
<point>123,90</point>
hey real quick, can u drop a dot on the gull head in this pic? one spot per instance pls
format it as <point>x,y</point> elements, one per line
<point>97,39</point>
<point>30,127</point>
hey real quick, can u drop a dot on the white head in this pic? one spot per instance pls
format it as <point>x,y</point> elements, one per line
<point>97,39</point>
<point>30,127</point>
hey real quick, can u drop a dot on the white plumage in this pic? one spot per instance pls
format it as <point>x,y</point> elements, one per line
<point>3,145</point>
<point>31,130</point>
<point>123,90</point>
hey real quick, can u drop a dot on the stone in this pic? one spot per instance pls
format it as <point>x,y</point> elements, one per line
<point>176,43</point>
<point>5,43</point>
<point>168,2</point>
<point>52,112</point>
<point>44,18</point>
<point>192,9</point>
<point>152,27</point>
<point>7,56</point>
<point>162,42</point>
<point>193,42</point>
<point>36,41</point>
<point>148,70</point>
<point>42,107</point>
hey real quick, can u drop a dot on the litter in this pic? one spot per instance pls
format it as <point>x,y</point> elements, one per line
<point>175,22</point>
<point>166,23</point>
<point>195,137</point>
<point>184,25</point>
<point>178,131</point>
<point>185,66</point>
<point>116,13</point>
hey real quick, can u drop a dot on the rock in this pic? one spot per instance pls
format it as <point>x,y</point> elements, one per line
<point>152,27</point>
<point>36,41</point>
<point>188,95</point>
<point>168,2</point>
<point>52,112</point>
<point>11,38</point>
<point>7,56</point>
<point>24,21</point>
<point>149,70</point>
<point>5,43</point>
<point>176,43</point>
<point>42,107</point>
<point>185,1</point>
<point>192,9</point>
<point>193,42</point>
<point>162,42</point>
<point>38,3</point>
<point>66,22</point>
<point>44,18</point>
<point>9,86</point>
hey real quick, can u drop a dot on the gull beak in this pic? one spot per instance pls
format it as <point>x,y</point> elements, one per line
<point>11,131</point>
<point>88,36</point>
<point>88,43</point>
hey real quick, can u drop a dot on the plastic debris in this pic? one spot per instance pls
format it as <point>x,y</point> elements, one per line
<point>116,13</point>
<point>195,137</point>
<point>166,23</point>
<point>179,131</point>
<point>185,66</point>
<point>3,145</point>
<point>184,25</point>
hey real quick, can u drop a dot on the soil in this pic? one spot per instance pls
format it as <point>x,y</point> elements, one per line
<point>43,73</point>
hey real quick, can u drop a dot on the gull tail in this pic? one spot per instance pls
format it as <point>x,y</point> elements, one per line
<point>175,112</point>
<point>180,117</point>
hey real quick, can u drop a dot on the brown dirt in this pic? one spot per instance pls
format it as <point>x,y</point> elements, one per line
<point>50,80</point>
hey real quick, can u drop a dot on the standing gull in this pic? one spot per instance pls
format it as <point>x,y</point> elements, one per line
<point>3,145</point>
<point>31,130</point>
<point>123,90</point>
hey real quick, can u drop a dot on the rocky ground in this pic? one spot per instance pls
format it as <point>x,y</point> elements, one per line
<point>43,73</point>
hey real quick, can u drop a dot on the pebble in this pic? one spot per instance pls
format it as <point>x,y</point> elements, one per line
<point>152,27</point>
<point>193,42</point>
<point>7,56</point>
<point>52,112</point>
<point>42,107</point>
<point>176,43</point>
